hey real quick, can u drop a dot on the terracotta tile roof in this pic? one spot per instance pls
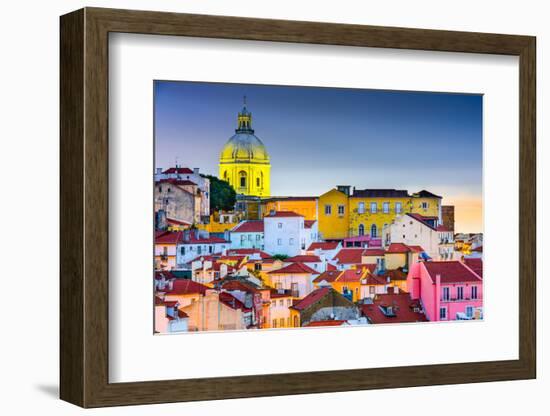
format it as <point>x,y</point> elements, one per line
<point>253,226</point>
<point>371,267</point>
<point>185,287</point>
<point>177,222</point>
<point>395,274</point>
<point>373,280</point>
<point>282,214</point>
<point>169,237</point>
<point>303,258</point>
<point>290,198</point>
<point>239,285</point>
<point>416,249</point>
<point>421,219</point>
<point>334,322</point>
<point>402,309</point>
<point>182,314</point>
<point>450,271</point>
<point>426,194</point>
<point>309,223</point>
<point>177,182</point>
<point>328,276</point>
<point>478,249</point>
<point>351,276</point>
<point>275,293</point>
<point>294,268</point>
<point>476,265</point>
<point>178,170</point>
<point>380,193</point>
<point>374,252</point>
<point>349,256</point>
<point>397,248</point>
<point>311,299</point>
<point>165,274</point>
<point>331,267</point>
<point>328,245</point>
<point>229,300</point>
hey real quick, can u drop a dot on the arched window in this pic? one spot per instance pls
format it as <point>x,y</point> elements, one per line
<point>373,231</point>
<point>257,182</point>
<point>242,179</point>
<point>225,175</point>
<point>361,230</point>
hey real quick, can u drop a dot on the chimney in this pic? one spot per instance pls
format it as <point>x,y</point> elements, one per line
<point>159,171</point>
<point>196,171</point>
<point>186,235</point>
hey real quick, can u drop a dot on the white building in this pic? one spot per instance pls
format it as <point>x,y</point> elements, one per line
<point>197,243</point>
<point>411,229</point>
<point>328,249</point>
<point>185,174</point>
<point>248,234</point>
<point>285,233</point>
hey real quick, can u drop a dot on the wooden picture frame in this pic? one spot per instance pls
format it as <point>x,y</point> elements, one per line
<point>84,207</point>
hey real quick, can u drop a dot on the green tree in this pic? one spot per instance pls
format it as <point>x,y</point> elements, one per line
<point>222,195</point>
<point>281,257</point>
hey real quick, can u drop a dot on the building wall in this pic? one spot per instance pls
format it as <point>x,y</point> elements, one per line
<point>407,230</point>
<point>379,218</point>
<point>230,171</point>
<point>448,216</point>
<point>209,314</point>
<point>433,209</point>
<point>247,240</point>
<point>165,262</point>
<point>333,225</point>
<point>305,207</point>
<point>178,203</point>
<point>278,312</point>
<point>286,239</point>
<point>194,250</point>
<point>304,282</point>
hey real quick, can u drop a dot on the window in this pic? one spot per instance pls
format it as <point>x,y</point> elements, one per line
<point>242,179</point>
<point>243,237</point>
<point>289,321</point>
<point>289,302</point>
<point>199,249</point>
<point>373,207</point>
<point>165,251</point>
<point>373,231</point>
<point>386,207</point>
<point>361,208</point>
<point>274,323</point>
<point>328,209</point>
<point>361,230</point>
<point>282,321</point>
<point>258,182</point>
<point>474,292</point>
<point>446,293</point>
<point>257,266</point>
<point>249,237</point>
<point>469,311</point>
<point>258,237</point>
<point>294,289</point>
<point>182,250</point>
<point>341,209</point>
<point>372,290</point>
<point>160,188</point>
<point>281,303</point>
<point>279,241</point>
<point>291,241</point>
<point>280,225</point>
<point>460,293</point>
<point>442,313</point>
<point>398,207</point>
<point>210,249</point>
<point>295,322</point>
<point>424,205</point>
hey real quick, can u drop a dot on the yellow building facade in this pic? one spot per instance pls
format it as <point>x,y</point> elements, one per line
<point>333,215</point>
<point>306,205</point>
<point>365,212</point>
<point>244,160</point>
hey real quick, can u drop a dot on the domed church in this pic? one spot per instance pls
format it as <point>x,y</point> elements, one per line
<point>244,161</point>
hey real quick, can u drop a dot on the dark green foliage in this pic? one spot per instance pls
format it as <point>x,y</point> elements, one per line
<point>280,257</point>
<point>222,195</point>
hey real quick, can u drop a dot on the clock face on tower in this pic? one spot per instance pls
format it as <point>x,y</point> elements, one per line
<point>244,161</point>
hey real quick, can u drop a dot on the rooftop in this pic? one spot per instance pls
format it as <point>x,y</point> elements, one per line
<point>251,226</point>
<point>294,268</point>
<point>328,245</point>
<point>450,272</point>
<point>380,193</point>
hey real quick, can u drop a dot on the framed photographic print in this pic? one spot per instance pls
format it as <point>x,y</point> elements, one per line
<point>278,207</point>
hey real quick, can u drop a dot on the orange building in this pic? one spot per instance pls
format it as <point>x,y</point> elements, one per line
<point>303,205</point>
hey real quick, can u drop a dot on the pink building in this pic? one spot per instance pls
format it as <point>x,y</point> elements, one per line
<point>448,290</point>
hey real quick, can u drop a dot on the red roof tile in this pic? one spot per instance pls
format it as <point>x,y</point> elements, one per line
<point>334,322</point>
<point>309,223</point>
<point>422,219</point>
<point>416,249</point>
<point>402,305</point>
<point>169,237</point>
<point>328,276</point>
<point>326,245</point>
<point>229,300</point>
<point>303,258</point>
<point>397,248</point>
<point>476,265</point>
<point>349,255</point>
<point>331,267</point>
<point>182,314</point>
<point>280,214</point>
<point>256,226</point>
<point>177,222</point>
<point>352,275</point>
<point>185,287</point>
<point>450,271</point>
<point>294,268</point>
<point>178,170</point>
<point>177,182</point>
<point>374,252</point>
<point>311,299</point>
<point>193,239</point>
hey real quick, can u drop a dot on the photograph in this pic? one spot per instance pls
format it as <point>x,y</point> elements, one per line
<point>285,207</point>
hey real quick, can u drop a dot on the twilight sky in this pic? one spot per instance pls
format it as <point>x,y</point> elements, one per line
<point>318,138</point>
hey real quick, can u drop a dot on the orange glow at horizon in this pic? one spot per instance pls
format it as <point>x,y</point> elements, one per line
<point>468,213</point>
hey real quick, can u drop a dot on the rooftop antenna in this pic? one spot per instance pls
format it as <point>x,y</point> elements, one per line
<point>244,100</point>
